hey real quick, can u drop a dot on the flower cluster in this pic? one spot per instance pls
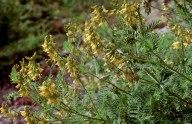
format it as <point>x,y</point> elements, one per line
<point>92,40</point>
<point>8,112</point>
<point>28,116</point>
<point>130,14</point>
<point>34,69</point>
<point>97,19</point>
<point>50,48</point>
<point>27,72</point>
<point>182,34</point>
<point>72,68</point>
<point>49,91</point>
<point>114,58</point>
<point>73,31</point>
<point>22,80</point>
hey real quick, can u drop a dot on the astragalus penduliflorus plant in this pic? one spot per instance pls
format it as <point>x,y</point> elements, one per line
<point>122,73</point>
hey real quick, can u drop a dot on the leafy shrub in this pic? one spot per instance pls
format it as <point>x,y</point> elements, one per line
<point>9,18</point>
<point>23,23</point>
<point>123,73</point>
<point>19,34</point>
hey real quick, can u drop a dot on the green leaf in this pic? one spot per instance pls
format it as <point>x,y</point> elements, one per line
<point>67,46</point>
<point>13,95</point>
<point>97,67</point>
<point>14,75</point>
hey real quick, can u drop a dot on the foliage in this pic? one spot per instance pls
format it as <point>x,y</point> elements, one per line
<point>23,24</point>
<point>19,34</point>
<point>122,73</point>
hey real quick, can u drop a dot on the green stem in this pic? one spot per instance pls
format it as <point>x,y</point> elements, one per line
<point>118,87</point>
<point>172,69</point>
<point>65,119</point>
<point>177,96</point>
<point>89,97</point>
<point>182,51</point>
<point>75,112</point>
<point>140,19</point>
<point>138,59</point>
<point>152,76</point>
<point>168,91</point>
<point>111,84</point>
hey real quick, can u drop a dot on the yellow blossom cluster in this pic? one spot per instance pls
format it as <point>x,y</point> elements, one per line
<point>73,31</point>
<point>49,91</point>
<point>72,68</point>
<point>27,72</point>
<point>24,89</point>
<point>115,58</point>
<point>97,19</point>
<point>21,80</point>
<point>130,14</point>
<point>114,62</point>
<point>4,109</point>
<point>50,48</point>
<point>34,69</point>
<point>108,12</point>
<point>182,34</point>
<point>8,113</point>
<point>28,116</point>
<point>92,40</point>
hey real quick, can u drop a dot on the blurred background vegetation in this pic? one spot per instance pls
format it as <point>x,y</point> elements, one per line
<point>24,23</point>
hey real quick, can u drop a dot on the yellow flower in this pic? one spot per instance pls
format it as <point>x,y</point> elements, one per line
<point>52,89</point>
<point>130,14</point>
<point>49,91</point>
<point>176,45</point>
<point>72,68</point>
<point>52,100</point>
<point>50,48</point>
<point>104,9</point>
<point>15,115</point>
<point>34,69</point>
<point>111,12</point>
<point>28,116</point>
<point>8,112</point>
<point>5,110</point>
<point>185,44</point>
<point>6,115</point>
<point>42,88</point>
<point>44,94</point>
<point>24,90</point>
<point>183,34</point>
<point>23,113</point>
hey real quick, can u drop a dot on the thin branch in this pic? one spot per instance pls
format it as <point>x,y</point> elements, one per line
<point>120,89</point>
<point>172,69</point>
